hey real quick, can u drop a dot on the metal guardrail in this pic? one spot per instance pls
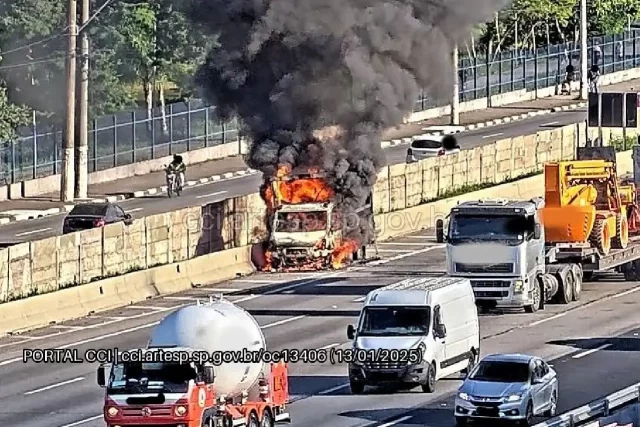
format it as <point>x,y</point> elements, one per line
<point>599,408</point>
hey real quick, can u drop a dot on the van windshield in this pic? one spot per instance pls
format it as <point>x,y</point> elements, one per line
<point>395,321</point>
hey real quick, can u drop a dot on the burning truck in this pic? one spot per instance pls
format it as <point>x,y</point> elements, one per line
<point>307,228</point>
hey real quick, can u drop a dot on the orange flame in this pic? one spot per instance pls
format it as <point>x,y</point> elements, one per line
<point>342,253</point>
<point>297,190</point>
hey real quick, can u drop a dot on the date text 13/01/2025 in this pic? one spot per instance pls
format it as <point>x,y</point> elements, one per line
<point>330,355</point>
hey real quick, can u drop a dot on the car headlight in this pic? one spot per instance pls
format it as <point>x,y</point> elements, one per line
<point>518,286</point>
<point>180,411</point>
<point>112,412</point>
<point>463,396</point>
<point>513,398</point>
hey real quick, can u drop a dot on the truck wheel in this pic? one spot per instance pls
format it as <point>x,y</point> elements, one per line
<point>566,283</point>
<point>577,287</point>
<point>267,420</point>
<point>253,420</point>
<point>537,299</point>
<point>587,276</point>
<point>430,385</point>
<point>621,239</point>
<point>600,237</point>
<point>356,386</point>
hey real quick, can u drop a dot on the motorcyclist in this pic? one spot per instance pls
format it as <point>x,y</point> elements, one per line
<point>178,167</point>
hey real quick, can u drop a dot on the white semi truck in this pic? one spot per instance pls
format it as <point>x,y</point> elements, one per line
<point>197,392</point>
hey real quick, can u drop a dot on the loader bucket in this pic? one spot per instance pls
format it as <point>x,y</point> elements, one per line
<point>568,224</point>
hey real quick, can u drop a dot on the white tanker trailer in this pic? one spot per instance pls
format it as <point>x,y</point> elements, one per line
<point>197,371</point>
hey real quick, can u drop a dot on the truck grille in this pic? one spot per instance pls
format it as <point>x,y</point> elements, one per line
<point>385,365</point>
<point>485,268</point>
<point>491,294</point>
<point>155,412</point>
<point>490,284</point>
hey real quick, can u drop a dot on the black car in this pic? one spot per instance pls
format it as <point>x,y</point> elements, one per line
<point>93,215</point>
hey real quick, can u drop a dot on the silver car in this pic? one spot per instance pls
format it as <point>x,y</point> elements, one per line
<point>512,387</point>
<point>425,146</point>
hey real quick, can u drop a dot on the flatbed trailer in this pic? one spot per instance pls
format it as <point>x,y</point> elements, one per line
<point>625,261</point>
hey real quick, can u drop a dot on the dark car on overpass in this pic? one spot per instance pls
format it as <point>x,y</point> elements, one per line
<point>93,215</point>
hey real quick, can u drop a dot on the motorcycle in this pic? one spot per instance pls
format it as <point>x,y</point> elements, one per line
<point>172,183</point>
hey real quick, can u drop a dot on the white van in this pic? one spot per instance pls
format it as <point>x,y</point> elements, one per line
<point>434,317</point>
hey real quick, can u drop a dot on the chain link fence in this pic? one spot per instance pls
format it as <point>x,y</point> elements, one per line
<point>133,136</point>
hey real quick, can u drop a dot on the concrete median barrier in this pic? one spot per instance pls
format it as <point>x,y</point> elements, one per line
<point>69,276</point>
<point>119,291</point>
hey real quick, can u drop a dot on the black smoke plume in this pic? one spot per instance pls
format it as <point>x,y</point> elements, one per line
<point>290,68</point>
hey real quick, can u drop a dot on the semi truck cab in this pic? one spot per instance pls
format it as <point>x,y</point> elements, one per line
<point>500,246</point>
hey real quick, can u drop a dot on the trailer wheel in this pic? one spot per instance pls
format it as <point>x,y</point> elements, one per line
<point>600,237</point>
<point>577,288</point>
<point>621,239</point>
<point>566,284</point>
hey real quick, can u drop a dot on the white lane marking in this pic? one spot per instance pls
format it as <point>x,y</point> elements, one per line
<point>328,346</point>
<point>217,193</point>
<point>247,298</point>
<point>27,233</point>
<point>402,244</point>
<point>589,304</point>
<point>361,299</point>
<point>86,420</point>
<point>489,136</point>
<point>282,322</point>
<point>152,324</point>
<point>56,385</point>
<point>398,421</point>
<point>418,237</point>
<point>75,328</point>
<point>260,281</point>
<point>148,307</point>
<point>134,210</point>
<point>549,124</point>
<point>181,298</point>
<point>593,350</point>
<point>398,257</point>
<point>395,251</point>
<point>332,389</point>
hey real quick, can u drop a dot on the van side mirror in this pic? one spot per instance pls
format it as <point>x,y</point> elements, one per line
<point>537,231</point>
<point>351,332</point>
<point>209,374</point>
<point>441,330</point>
<point>102,378</point>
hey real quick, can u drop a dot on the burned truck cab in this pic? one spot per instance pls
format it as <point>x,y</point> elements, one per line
<point>302,232</point>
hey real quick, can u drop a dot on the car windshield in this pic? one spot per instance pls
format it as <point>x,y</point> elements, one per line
<point>426,143</point>
<point>297,222</point>
<point>395,321</point>
<point>501,372</point>
<point>482,228</point>
<point>147,377</point>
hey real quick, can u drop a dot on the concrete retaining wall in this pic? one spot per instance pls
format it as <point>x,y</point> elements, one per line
<point>51,184</point>
<point>116,265</point>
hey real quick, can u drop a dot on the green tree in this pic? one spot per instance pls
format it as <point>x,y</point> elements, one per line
<point>11,117</point>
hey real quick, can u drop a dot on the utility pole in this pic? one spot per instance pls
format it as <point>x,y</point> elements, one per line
<point>67,185</point>
<point>82,172</point>
<point>455,100</point>
<point>584,51</point>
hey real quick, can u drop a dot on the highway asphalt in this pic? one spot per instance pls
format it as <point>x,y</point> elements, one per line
<point>312,311</point>
<point>207,193</point>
